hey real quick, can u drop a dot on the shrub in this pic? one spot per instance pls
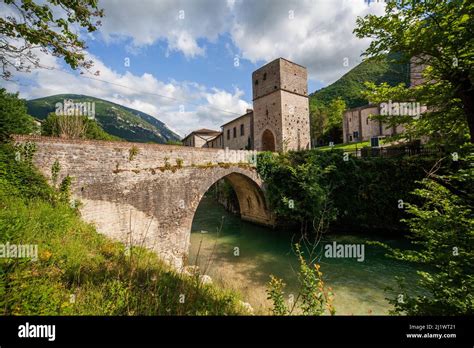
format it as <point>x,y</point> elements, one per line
<point>14,118</point>
<point>442,230</point>
<point>132,152</point>
<point>313,297</point>
<point>366,193</point>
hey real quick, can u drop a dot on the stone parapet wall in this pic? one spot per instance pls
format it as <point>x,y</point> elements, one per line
<point>149,198</point>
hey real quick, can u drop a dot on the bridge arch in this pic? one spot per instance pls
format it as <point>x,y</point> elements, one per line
<point>250,193</point>
<point>253,205</point>
<point>149,200</point>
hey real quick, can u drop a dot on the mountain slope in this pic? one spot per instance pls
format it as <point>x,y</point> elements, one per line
<point>115,119</point>
<point>349,86</point>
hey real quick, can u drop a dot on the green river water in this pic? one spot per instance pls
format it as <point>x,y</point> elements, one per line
<point>358,286</point>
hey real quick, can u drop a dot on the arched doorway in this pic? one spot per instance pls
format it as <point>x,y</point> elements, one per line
<point>268,141</point>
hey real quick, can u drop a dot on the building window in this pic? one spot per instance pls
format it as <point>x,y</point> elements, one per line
<point>350,137</point>
<point>356,135</point>
<point>266,112</point>
<point>228,134</point>
<point>256,82</point>
<point>264,76</point>
<point>242,130</point>
<point>235,132</point>
<point>367,120</point>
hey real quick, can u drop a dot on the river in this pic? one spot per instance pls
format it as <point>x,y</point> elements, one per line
<point>239,255</point>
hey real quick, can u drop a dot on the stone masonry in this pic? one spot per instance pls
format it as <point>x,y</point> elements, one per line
<point>281,107</point>
<point>149,198</point>
<point>280,118</point>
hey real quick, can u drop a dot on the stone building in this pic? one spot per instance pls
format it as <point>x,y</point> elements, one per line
<point>279,120</point>
<point>357,125</point>
<point>200,137</point>
<point>281,107</point>
<point>217,142</point>
<point>237,134</point>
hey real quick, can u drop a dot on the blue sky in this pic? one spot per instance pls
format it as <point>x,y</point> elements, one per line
<point>215,69</point>
<point>186,50</point>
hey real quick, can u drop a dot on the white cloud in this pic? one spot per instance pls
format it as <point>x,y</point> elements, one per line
<point>316,34</point>
<point>184,42</point>
<point>182,105</point>
<point>179,23</point>
<point>218,100</point>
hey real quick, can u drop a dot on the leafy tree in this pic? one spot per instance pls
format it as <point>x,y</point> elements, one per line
<point>70,126</point>
<point>443,122</point>
<point>335,115</point>
<point>326,120</point>
<point>442,229</point>
<point>14,118</point>
<point>47,25</point>
<point>439,34</point>
<point>65,126</point>
<point>295,188</point>
<point>318,118</point>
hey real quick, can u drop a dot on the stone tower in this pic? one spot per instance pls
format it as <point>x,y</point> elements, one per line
<point>281,107</point>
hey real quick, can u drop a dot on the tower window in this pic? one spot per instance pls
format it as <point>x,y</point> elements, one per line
<point>367,120</point>
<point>256,82</point>
<point>241,130</point>
<point>228,134</point>
<point>264,76</point>
<point>266,112</point>
<point>235,132</point>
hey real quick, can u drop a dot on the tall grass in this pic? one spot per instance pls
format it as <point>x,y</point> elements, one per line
<point>79,271</point>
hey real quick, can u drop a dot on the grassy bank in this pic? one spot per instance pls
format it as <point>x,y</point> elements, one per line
<point>345,146</point>
<point>79,271</point>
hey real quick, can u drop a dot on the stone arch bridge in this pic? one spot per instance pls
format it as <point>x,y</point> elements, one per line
<point>147,194</point>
